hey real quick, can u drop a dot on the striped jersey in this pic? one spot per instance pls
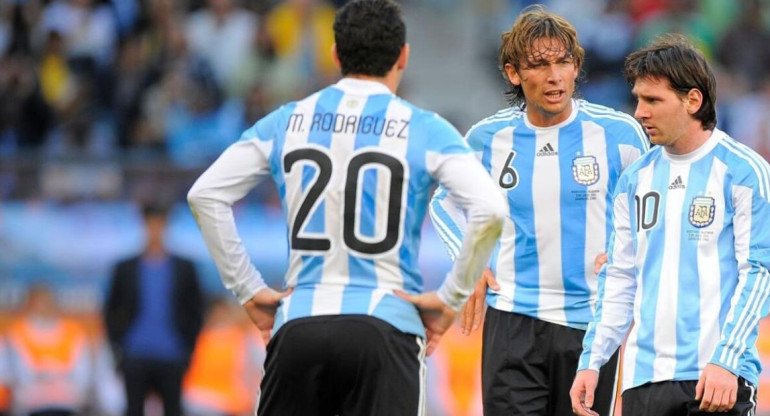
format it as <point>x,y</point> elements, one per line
<point>688,263</point>
<point>354,166</point>
<point>558,182</point>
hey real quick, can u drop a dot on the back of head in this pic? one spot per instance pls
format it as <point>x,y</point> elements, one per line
<point>672,57</point>
<point>154,210</point>
<point>369,35</point>
<point>516,45</point>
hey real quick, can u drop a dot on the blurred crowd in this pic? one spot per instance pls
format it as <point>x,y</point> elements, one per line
<point>179,80</point>
<point>183,79</point>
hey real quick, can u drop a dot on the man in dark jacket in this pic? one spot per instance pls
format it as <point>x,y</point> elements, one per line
<point>153,314</point>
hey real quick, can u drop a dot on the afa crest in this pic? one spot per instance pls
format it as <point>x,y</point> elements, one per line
<point>585,170</point>
<point>702,211</point>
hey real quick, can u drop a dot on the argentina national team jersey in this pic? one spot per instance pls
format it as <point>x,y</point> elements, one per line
<point>689,260</point>
<point>558,182</point>
<point>354,166</point>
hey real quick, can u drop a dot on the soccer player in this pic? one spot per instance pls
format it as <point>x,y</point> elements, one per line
<point>354,165</point>
<point>557,160</point>
<point>689,252</point>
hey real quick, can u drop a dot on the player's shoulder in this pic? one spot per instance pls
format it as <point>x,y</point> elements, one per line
<point>507,117</point>
<point>618,125</point>
<point>741,160</point>
<point>423,119</point>
<point>645,160</point>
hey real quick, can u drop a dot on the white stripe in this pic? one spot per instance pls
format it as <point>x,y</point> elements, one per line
<point>505,268</point>
<point>596,210</point>
<point>665,343</point>
<point>752,397</point>
<point>452,241</point>
<point>422,375</point>
<point>615,381</point>
<point>709,271</point>
<point>628,155</point>
<point>546,207</point>
<point>387,267</point>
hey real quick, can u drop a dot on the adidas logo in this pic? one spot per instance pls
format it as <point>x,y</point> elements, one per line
<point>677,183</point>
<point>547,150</point>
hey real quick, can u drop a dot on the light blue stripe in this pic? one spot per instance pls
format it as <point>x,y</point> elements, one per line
<point>573,232</point>
<point>526,258</point>
<point>417,200</point>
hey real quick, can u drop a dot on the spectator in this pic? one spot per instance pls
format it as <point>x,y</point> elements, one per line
<point>153,315</point>
<point>226,367</point>
<point>50,366</point>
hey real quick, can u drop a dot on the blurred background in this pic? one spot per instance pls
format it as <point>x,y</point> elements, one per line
<point>106,105</point>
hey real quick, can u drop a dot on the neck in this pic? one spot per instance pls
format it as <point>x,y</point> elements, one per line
<point>690,143</point>
<point>390,80</point>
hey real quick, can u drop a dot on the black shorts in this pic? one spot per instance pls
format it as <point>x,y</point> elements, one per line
<point>528,367</point>
<point>343,364</point>
<point>677,398</point>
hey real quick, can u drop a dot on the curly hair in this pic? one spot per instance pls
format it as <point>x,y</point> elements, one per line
<point>369,35</point>
<point>534,23</point>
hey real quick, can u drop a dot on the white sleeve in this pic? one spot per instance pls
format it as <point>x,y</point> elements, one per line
<point>211,198</point>
<point>470,187</point>
<point>448,220</point>
<point>617,288</point>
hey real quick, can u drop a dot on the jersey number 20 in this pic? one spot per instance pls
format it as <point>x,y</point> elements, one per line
<point>355,165</point>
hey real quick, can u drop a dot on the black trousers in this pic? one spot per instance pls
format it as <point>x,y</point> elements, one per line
<point>528,367</point>
<point>677,398</point>
<point>144,375</point>
<point>343,365</point>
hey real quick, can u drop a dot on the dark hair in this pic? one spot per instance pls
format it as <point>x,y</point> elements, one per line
<point>154,210</point>
<point>369,35</point>
<point>535,23</point>
<point>674,58</point>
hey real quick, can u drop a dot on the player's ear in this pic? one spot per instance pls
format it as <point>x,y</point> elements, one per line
<point>335,57</point>
<point>512,74</point>
<point>693,101</point>
<point>403,57</point>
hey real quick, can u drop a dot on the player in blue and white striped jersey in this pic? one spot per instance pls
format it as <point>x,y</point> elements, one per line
<point>689,253</point>
<point>354,166</point>
<point>557,162</point>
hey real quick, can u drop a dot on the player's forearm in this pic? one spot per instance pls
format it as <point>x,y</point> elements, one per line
<point>486,209</point>
<point>604,336</point>
<point>217,226</point>
<point>747,308</point>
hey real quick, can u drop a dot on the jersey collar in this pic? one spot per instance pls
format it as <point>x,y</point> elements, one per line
<point>361,86</point>
<point>573,114</point>
<point>705,148</point>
